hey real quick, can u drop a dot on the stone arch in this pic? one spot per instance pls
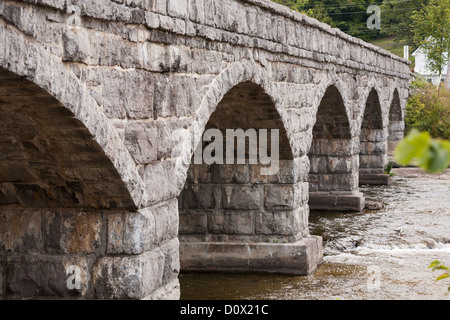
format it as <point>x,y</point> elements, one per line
<point>57,189</point>
<point>334,81</point>
<point>236,73</point>
<point>373,140</point>
<point>25,57</point>
<point>229,213</point>
<point>396,122</point>
<point>333,178</point>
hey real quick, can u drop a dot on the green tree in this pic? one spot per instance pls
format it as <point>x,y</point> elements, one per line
<point>431,28</point>
<point>397,17</point>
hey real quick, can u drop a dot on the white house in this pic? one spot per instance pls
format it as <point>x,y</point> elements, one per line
<point>421,68</point>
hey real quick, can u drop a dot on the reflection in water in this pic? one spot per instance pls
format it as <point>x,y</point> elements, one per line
<point>381,254</point>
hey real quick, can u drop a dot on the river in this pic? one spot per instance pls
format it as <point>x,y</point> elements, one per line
<point>372,255</point>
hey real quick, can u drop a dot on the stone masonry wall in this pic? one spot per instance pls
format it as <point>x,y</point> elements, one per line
<point>131,73</point>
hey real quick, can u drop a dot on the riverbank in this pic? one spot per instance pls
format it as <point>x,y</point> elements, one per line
<point>416,173</point>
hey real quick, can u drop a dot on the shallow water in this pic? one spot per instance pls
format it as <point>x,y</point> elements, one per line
<point>381,254</point>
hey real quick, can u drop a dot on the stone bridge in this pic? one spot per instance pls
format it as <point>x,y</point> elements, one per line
<point>102,103</point>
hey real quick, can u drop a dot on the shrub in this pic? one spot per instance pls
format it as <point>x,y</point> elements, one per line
<point>429,110</point>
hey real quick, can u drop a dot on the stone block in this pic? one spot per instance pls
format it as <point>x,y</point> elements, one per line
<point>72,232</point>
<point>2,279</point>
<point>161,182</point>
<point>341,202</point>
<point>373,135</point>
<point>337,182</point>
<point>14,171</point>
<point>131,232</point>
<point>76,45</point>
<point>170,291</point>
<point>372,161</point>
<point>279,197</point>
<point>216,222</point>
<point>171,253</point>
<point>128,277</point>
<point>299,258</point>
<point>31,276</point>
<point>396,126</point>
<point>7,194</point>
<point>166,221</point>
<point>283,223</point>
<point>141,139</point>
<point>238,222</point>
<point>241,197</point>
<point>20,231</point>
<point>230,173</point>
<point>200,197</point>
<point>193,222</point>
<point>375,179</point>
<point>177,8</point>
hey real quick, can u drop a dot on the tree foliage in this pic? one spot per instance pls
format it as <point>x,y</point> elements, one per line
<point>397,17</point>
<point>431,29</point>
<point>348,15</point>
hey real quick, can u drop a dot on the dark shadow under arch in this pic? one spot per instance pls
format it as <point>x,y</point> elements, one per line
<point>333,162</point>
<point>373,144</point>
<point>396,123</point>
<point>57,188</point>
<point>226,207</point>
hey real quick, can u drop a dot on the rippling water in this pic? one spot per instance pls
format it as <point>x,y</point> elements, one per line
<point>381,254</point>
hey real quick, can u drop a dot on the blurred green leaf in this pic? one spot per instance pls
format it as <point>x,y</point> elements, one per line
<point>413,146</point>
<point>434,264</point>
<point>443,276</point>
<point>432,155</point>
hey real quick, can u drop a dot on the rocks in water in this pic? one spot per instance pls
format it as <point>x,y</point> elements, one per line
<point>375,204</point>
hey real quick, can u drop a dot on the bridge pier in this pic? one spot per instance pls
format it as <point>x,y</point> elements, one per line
<point>337,201</point>
<point>374,177</point>
<point>298,258</point>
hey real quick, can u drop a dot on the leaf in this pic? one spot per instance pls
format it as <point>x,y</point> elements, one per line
<point>415,145</point>
<point>440,268</point>
<point>439,157</point>
<point>443,276</point>
<point>434,264</point>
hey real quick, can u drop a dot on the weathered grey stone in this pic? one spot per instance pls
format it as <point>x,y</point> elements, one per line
<point>336,201</point>
<point>20,231</point>
<point>76,45</point>
<point>130,233</point>
<point>193,222</point>
<point>279,197</point>
<point>72,232</point>
<point>129,277</point>
<point>238,222</point>
<point>300,258</point>
<point>45,276</point>
<point>2,281</point>
<point>88,165</point>
<point>241,198</point>
<point>285,223</point>
<point>141,139</point>
<point>375,179</point>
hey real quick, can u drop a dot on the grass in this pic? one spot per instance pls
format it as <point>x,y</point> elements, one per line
<point>393,44</point>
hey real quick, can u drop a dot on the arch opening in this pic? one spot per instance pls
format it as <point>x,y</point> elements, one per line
<point>396,124</point>
<point>373,144</point>
<point>333,178</point>
<point>56,188</point>
<point>232,214</point>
